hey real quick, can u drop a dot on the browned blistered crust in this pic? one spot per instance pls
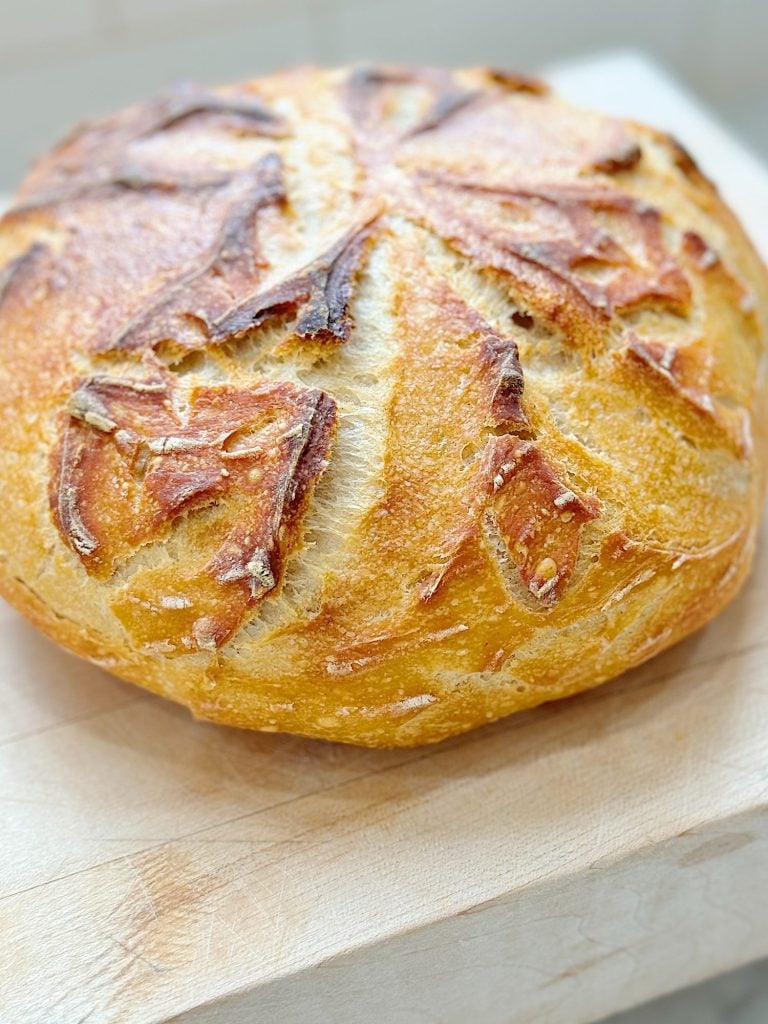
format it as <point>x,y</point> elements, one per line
<point>578,242</point>
<point>185,309</point>
<point>376,404</point>
<point>137,454</point>
<point>318,295</point>
<point>96,158</point>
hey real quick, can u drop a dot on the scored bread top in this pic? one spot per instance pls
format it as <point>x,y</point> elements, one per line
<point>375,403</point>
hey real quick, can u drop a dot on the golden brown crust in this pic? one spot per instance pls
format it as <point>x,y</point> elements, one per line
<point>376,404</point>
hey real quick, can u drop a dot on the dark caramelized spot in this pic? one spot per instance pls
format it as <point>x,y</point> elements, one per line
<point>524,320</point>
<point>683,159</point>
<point>502,357</point>
<point>516,82</point>
<point>624,159</point>
<point>366,77</point>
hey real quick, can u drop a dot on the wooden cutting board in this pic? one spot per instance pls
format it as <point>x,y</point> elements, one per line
<point>551,868</point>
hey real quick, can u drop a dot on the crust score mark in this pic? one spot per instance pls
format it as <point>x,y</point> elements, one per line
<point>134,461</point>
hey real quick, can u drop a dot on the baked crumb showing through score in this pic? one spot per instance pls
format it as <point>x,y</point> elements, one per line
<point>417,359</point>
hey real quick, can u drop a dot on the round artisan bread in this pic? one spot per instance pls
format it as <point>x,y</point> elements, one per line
<point>375,404</point>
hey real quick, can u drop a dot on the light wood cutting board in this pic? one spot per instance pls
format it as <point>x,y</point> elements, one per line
<point>552,868</point>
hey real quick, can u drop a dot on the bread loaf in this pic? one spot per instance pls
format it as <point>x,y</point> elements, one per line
<point>375,404</point>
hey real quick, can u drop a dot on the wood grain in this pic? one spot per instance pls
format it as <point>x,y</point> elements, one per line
<point>554,867</point>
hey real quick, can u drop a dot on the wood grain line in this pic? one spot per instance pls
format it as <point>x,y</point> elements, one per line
<point>417,756</point>
<point>139,698</point>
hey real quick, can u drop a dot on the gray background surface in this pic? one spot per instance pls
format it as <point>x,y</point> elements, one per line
<point>63,60</point>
